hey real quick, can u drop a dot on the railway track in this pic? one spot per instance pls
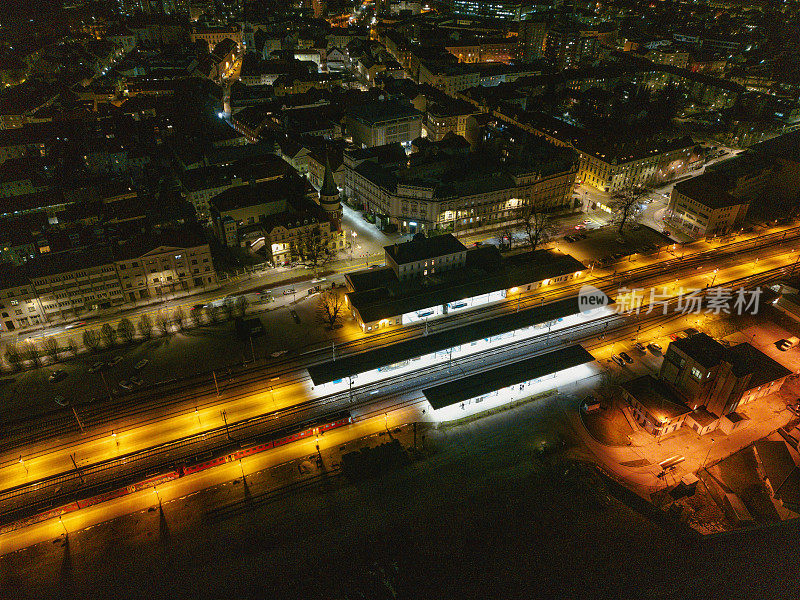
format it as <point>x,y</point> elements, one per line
<point>109,474</point>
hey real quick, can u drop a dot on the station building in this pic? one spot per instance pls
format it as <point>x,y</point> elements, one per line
<point>511,382</point>
<point>428,278</point>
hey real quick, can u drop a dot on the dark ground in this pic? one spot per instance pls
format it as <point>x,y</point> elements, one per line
<point>481,517</point>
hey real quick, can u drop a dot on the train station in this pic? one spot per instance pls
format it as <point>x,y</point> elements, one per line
<point>508,383</point>
<point>428,278</point>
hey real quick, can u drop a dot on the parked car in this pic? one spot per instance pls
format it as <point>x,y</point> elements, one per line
<point>141,364</point>
<point>654,347</point>
<point>582,236</point>
<point>57,375</point>
<point>787,344</point>
<point>626,357</point>
<point>640,347</point>
<point>135,380</point>
<point>114,361</point>
<point>126,385</point>
<point>289,291</point>
<point>98,366</point>
<point>618,360</point>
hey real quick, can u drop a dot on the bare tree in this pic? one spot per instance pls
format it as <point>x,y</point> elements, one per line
<point>31,352</point>
<point>146,326</point>
<point>625,204</point>
<point>224,311</point>
<point>196,315</point>
<point>91,339</point>
<point>125,330</point>
<point>109,334</point>
<point>179,317</point>
<point>163,322</point>
<point>50,347</point>
<point>536,221</point>
<point>13,357</point>
<point>330,308</point>
<point>71,346</point>
<point>313,246</point>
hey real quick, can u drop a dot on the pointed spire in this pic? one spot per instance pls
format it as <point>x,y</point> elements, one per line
<point>329,187</point>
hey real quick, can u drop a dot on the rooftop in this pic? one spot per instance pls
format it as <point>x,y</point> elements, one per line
<point>480,384</point>
<point>702,348</point>
<point>704,189</point>
<point>656,397</point>
<point>378,111</point>
<point>442,340</point>
<point>421,248</point>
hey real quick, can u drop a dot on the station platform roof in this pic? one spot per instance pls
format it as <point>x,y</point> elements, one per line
<point>443,340</point>
<point>483,383</point>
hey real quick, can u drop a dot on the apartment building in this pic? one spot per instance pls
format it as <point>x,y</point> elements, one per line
<point>610,166</point>
<point>419,258</point>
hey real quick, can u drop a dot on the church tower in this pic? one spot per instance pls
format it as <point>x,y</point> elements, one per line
<point>329,197</point>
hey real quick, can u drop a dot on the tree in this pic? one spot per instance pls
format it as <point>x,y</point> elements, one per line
<point>224,311</point>
<point>240,306</point>
<point>536,222</point>
<point>313,246</point>
<point>196,315</point>
<point>330,308</point>
<point>125,330</point>
<point>109,334</point>
<point>625,204</point>
<point>179,317</point>
<point>91,339</point>
<point>12,355</point>
<point>71,346</point>
<point>146,326</point>
<point>50,347</point>
<point>163,322</point>
<point>31,352</point>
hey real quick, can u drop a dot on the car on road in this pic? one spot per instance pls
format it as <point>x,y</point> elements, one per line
<point>98,366</point>
<point>141,364</point>
<point>57,375</point>
<point>73,325</point>
<point>679,335</point>
<point>289,291</point>
<point>61,401</point>
<point>136,380</point>
<point>618,360</point>
<point>655,347</point>
<point>787,344</point>
<point>795,408</point>
<point>126,385</point>
<point>626,357</point>
<point>640,347</point>
<point>114,361</point>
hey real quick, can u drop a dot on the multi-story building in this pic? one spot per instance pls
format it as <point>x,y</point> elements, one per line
<point>447,188</point>
<point>701,208</point>
<point>530,39</point>
<point>450,78</point>
<point>58,287</point>
<point>214,35</point>
<point>420,258</point>
<point>569,45</point>
<point>610,166</point>
<point>383,122</point>
<point>704,373</point>
<point>442,118</point>
<point>506,10</point>
<point>702,384</point>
